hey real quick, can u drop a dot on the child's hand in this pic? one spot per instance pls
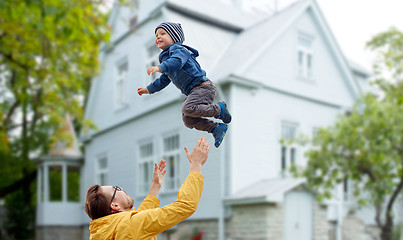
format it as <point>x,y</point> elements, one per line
<point>142,91</point>
<point>152,70</point>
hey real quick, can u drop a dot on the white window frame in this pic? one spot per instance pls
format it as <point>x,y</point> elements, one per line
<point>121,84</point>
<point>152,59</point>
<point>171,155</point>
<point>102,171</point>
<point>146,167</point>
<point>305,56</point>
<point>288,152</point>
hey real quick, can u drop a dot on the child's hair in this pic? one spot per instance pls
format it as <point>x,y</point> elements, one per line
<point>174,30</point>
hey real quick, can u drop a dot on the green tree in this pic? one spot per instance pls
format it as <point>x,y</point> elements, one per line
<point>366,147</point>
<point>48,55</point>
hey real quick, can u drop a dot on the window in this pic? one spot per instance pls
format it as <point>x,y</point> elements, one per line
<point>102,171</point>
<point>55,183</point>
<point>347,190</point>
<point>121,86</point>
<point>288,151</point>
<point>171,155</point>
<point>152,60</point>
<point>315,132</point>
<point>305,56</point>
<point>146,152</point>
<point>73,183</point>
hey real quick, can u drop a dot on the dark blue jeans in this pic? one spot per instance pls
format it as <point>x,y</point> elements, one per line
<point>198,105</point>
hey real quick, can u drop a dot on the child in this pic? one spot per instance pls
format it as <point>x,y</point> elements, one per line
<point>178,65</point>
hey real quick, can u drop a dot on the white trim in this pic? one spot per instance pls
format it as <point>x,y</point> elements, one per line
<point>328,38</point>
<point>262,49</point>
<point>64,182</point>
<point>166,155</point>
<point>46,182</point>
<point>151,59</point>
<point>292,149</point>
<point>99,171</point>
<point>120,84</point>
<point>304,72</point>
<point>142,187</point>
<point>335,49</point>
<point>39,184</point>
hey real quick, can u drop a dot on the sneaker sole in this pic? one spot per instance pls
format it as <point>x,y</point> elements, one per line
<point>219,143</point>
<point>226,122</point>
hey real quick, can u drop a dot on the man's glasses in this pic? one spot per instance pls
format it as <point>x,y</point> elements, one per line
<point>117,188</point>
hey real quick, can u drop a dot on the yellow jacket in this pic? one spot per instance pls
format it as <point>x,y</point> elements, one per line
<point>149,220</point>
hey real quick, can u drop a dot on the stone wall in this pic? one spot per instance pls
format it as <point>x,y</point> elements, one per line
<point>354,229</point>
<point>184,230</point>
<point>321,226</point>
<point>59,233</point>
<point>257,222</point>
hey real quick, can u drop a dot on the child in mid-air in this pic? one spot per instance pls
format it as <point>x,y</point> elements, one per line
<point>178,65</point>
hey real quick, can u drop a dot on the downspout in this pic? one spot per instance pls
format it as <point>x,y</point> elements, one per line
<point>339,206</point>
<point>221,211</point>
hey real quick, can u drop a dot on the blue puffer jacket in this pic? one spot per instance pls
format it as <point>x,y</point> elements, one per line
<point>179,66</point>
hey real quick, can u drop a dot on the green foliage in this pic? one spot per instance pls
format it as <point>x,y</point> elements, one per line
<point>20,214</point>
<point>73,184</point>
<point>364,147</point>
<point>48,56</point>
<point>55,183</point>
<point>398,232</point>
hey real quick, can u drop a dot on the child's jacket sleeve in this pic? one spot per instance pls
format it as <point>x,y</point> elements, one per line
<point>159,84</point>
<point>151,222</point>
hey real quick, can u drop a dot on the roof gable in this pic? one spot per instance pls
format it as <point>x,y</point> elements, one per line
<point>212,11</point>
<point>262,35</point>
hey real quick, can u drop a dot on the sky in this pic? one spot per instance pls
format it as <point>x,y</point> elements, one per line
<point>355,22</point>
<point>352,22</point>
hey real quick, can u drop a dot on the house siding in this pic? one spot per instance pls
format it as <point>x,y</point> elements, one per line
<point>277,66</point>
<point>260,97</point>
<point>121,146</point>
<point>256,130</point>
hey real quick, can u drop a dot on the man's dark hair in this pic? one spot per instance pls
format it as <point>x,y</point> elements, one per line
<point>96,204</point>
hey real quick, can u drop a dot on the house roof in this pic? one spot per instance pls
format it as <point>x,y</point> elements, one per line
<point>212,11</point>
<point>65,150</point>
<point>250,41</point>
<point>254,41</point>
<point>358,68</point>
<point>267,190</point>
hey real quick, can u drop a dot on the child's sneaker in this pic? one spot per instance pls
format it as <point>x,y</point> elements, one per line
<point>225,116</point>
<point>219,133</point>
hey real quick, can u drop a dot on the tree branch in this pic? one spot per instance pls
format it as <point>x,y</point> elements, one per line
<point>11,59</point>
<point>378,215</point>
<point>392,200</point>
<point>367,171</point>
<point>26,180</point>
<point>15,104</point>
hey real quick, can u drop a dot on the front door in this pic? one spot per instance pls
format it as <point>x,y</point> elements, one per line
<point>298,215</point>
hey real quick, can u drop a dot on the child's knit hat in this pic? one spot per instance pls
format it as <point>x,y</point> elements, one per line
<point>174,30</point>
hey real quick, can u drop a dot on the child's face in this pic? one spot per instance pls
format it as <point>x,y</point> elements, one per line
<point>162,39</point>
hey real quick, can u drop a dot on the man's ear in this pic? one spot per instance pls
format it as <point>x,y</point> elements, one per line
<point>115,207</point>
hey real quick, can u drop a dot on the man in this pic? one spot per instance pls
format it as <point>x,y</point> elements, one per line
<point>110,208</point>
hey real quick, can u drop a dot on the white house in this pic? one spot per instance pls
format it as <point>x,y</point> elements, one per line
<point>281,74</point>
